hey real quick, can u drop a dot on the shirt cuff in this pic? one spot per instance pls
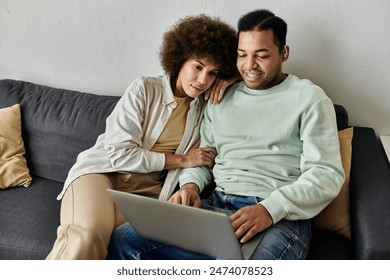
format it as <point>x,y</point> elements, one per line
<point>275,208</point>
<point>192,178</point>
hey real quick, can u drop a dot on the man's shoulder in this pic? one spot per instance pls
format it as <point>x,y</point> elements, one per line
<point>232,88</point>
<point>306,86</point>
<point>302,82</point>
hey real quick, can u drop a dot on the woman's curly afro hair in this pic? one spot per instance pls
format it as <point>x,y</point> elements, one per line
<point>200,37</point>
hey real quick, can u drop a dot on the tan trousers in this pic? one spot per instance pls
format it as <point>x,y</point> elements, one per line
<point>88,215</point>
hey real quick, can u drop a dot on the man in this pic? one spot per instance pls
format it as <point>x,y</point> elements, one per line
<point>278,162</point>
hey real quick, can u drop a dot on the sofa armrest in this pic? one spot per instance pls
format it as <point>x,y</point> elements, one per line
<point>370,197</point>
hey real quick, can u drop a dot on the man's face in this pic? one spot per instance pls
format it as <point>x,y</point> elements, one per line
<point>259,60</point>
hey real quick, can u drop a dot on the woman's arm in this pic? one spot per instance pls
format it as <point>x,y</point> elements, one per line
<point>194,158</point>
<point>125,134</point>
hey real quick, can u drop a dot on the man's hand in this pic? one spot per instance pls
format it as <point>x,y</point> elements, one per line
<point>249,221</point>
<point>187,195</point>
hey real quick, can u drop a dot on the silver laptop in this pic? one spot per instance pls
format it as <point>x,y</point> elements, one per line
<point>206,231</point>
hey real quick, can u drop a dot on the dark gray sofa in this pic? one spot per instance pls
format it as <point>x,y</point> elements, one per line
<point>57,124</point>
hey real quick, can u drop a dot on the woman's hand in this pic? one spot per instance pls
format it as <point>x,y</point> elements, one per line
<point>200,156</point>
<point>194,158</point>
<point>215,93</point>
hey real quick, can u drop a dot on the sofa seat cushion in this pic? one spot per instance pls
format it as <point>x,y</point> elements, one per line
<point>29,220</point>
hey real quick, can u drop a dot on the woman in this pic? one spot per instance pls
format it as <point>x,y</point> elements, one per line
<point>150,136</point>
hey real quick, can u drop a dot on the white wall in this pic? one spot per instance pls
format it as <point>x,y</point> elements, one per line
<point>99,46</point>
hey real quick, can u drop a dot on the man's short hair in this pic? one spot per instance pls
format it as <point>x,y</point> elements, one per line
<point>260,20</point>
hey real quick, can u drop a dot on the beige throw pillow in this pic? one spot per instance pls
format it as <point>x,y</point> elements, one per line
<point>335,217</point>
<point>13,165</point>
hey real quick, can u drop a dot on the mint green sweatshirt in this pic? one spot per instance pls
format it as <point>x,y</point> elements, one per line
<point>279,144</point>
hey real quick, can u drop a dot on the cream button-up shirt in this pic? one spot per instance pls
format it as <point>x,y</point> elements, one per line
<point>132,129</point>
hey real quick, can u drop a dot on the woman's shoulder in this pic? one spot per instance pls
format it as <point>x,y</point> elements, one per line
<point>148,85</point>
<point>150,89</point>
<point>147,81</point>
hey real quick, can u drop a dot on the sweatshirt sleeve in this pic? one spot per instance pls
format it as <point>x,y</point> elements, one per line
<point>201,176</point>
<point>322,174</point>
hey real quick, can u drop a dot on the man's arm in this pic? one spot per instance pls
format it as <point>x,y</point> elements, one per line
<point>320,181</point>
<point>322,174</point>
<point>187,195</point>
<point>200,176</point>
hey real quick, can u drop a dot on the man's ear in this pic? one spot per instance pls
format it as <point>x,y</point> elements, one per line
<point>285,53</point>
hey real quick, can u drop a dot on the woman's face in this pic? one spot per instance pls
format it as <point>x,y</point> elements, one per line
<point>195,77</point>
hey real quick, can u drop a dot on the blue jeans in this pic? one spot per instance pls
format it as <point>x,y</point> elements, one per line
<point>285,240</point>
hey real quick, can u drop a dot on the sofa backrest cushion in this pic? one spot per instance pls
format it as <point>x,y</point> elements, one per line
<point>57,124</point>
<point>342,117</point>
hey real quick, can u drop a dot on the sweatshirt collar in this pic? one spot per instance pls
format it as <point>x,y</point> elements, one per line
<point>269,90</point>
